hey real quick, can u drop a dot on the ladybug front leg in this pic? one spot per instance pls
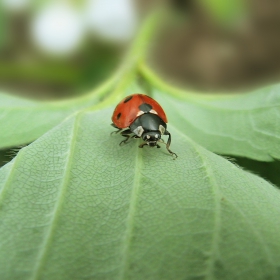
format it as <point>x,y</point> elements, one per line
<point>169,143</point>
<point>142,145</point>
<point>117,131</point>
<point>113,125</point>
<point>126,133</point>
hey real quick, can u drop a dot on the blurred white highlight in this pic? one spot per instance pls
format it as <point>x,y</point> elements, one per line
<point>114,20</point>
<point>58,28</point>
<point>15,5</point>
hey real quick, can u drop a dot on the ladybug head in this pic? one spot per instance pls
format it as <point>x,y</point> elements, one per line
<point>151,137</point>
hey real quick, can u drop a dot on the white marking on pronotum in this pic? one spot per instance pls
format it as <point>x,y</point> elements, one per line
<point>153,111</point>
<point>138,131</point>
<point>161,129</point>
<point>140,113</point>
<point>156,135</point>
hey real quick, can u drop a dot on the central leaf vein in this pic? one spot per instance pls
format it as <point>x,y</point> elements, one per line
<point>46,244</point>
<point>217,209</point>
<point>131,215</point>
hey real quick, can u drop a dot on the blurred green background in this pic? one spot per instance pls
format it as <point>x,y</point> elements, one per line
<point>56,49</point>
<point>59,48</point>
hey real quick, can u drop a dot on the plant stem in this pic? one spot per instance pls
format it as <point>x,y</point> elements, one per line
<point>127,72</point>
<point>192,95</point>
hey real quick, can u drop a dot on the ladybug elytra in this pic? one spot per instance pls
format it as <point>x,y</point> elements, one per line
<point>140,116</point>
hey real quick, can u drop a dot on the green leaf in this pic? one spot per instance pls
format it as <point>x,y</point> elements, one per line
<point>246,125</point>
<point>76,205</point>
<point>3,26</point>
<point>23,120</point>
<point>267,170</point>
<point>225,11</point>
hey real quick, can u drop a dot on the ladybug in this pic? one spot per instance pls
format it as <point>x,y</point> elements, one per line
<point>140,116</point>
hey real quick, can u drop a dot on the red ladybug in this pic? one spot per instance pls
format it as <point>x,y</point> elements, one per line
<point>141,117</point>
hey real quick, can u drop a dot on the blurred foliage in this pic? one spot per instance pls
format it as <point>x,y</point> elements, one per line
<point>26,70</point>
<point>225,11</point>
<point>3,28</point>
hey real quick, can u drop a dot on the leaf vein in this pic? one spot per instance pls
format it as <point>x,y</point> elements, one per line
<point>255,232</point>
<point>131,214</point>
<point>41,259</point>
<point>217,210</point>
<point>214,134</point>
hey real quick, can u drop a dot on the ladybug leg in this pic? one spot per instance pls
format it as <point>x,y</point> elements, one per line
<point>126,133</point>
<point>168,144</point>
<point>125,141</point>
<point>115,132</point>
<point>142,145</point>
<point>113,125</point>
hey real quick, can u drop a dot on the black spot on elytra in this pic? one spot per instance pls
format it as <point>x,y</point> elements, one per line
<point>119,115</point>
<point>128,98</point>
<point>146,108</point>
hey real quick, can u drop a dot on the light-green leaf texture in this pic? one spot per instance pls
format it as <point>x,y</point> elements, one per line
<point>245,125</point>
<point>24,120</point>
<point>76,205</point>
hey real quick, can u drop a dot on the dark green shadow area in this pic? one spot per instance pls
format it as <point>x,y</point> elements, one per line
<point>270,171</point>
<point>7,155</point>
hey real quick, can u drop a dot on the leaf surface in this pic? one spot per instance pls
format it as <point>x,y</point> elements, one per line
<point>245,125</point>
<point>23,120</point>
<point>76,205</point>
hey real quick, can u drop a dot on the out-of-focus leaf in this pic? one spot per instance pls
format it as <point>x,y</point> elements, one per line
<point>3,27</point>
<point>76,205</point>
<point>22,120</point>
<point>225,11</point>
<point>244,125</point>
